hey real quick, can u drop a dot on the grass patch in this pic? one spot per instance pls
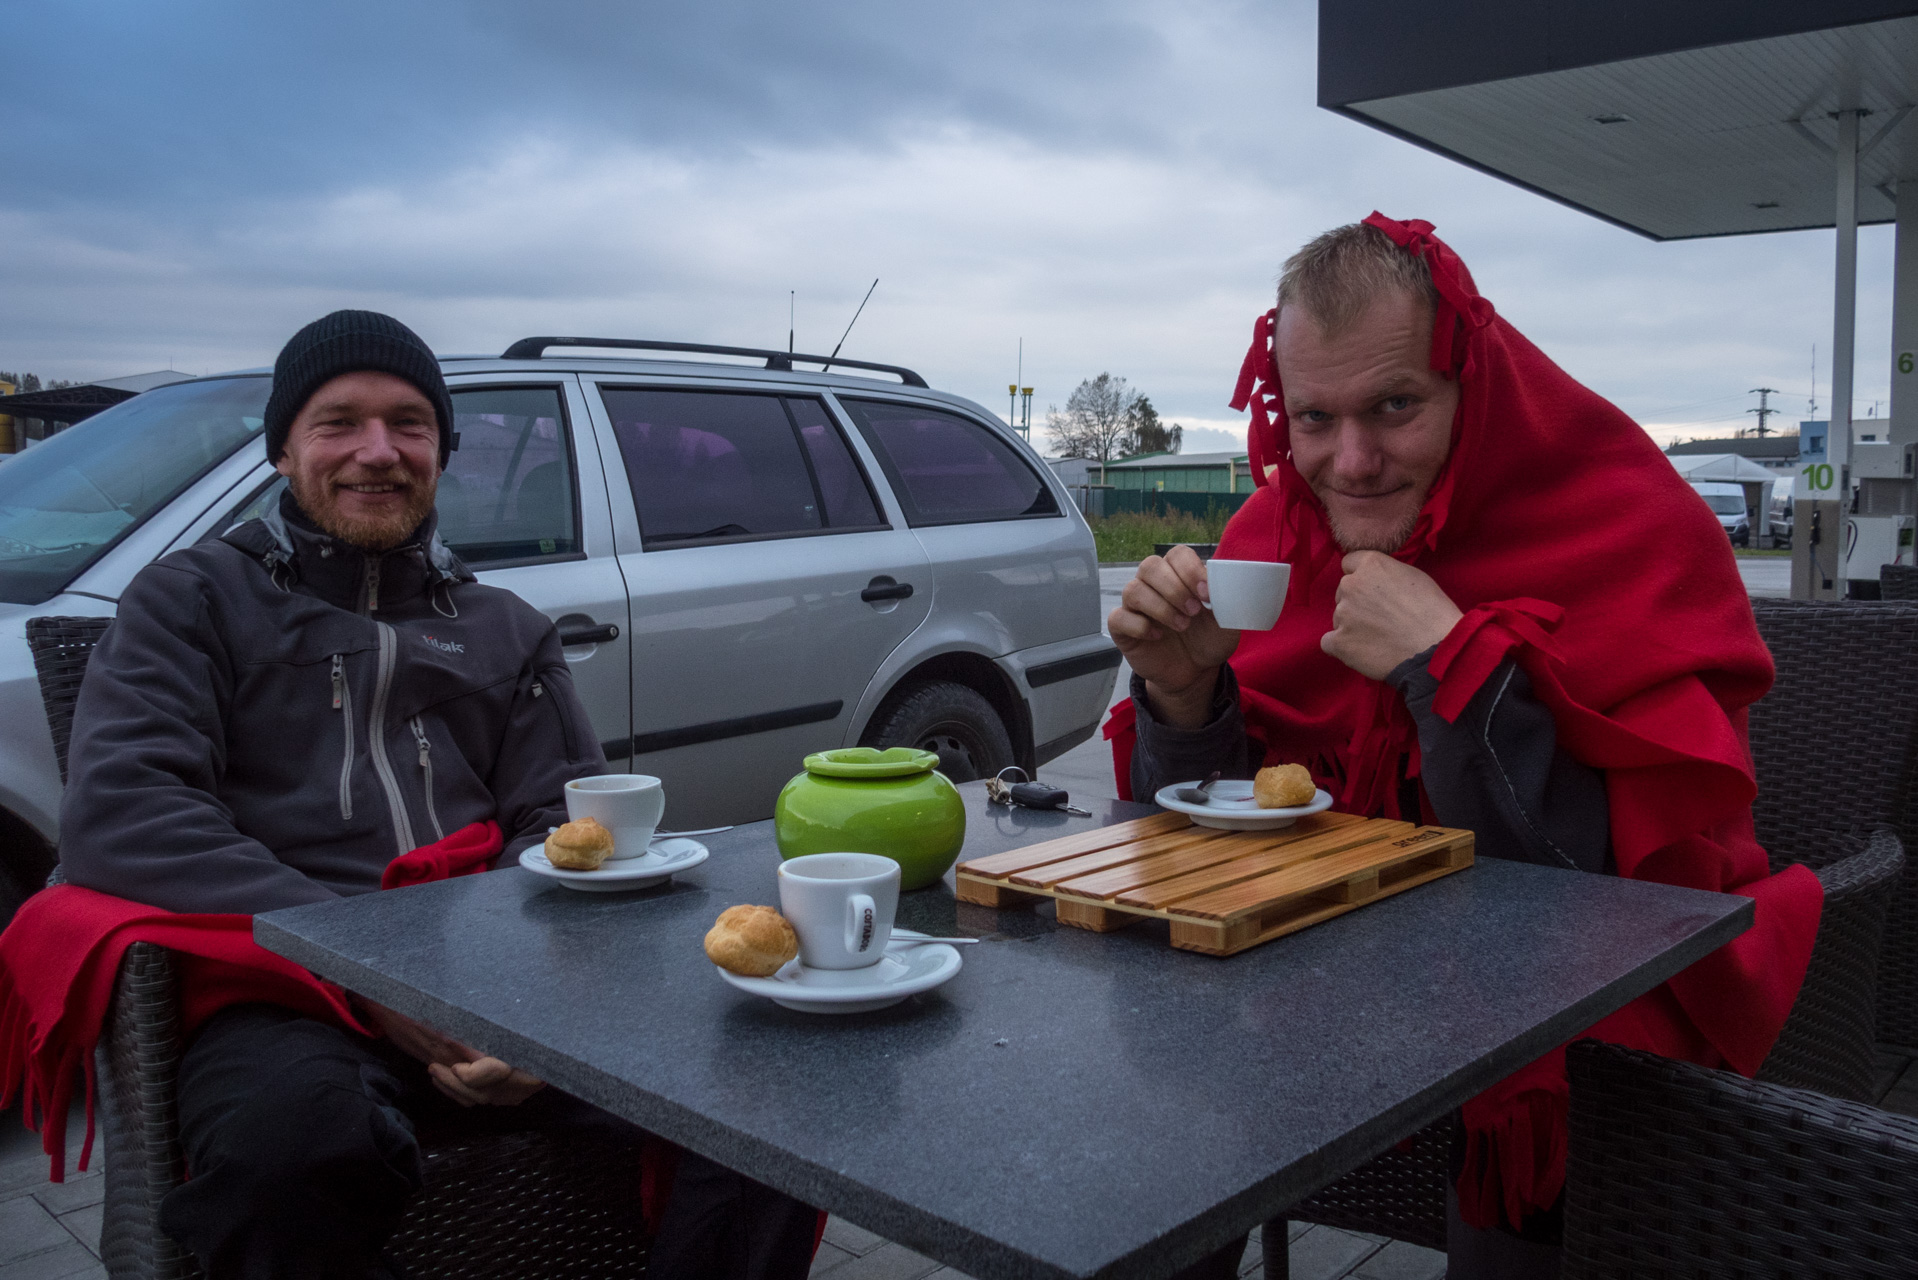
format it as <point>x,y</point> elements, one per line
<point>1131,536</point>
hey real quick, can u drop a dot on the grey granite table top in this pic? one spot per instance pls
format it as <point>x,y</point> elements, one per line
<point>1070,1104</point>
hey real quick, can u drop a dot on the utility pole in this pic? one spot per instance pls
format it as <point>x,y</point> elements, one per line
<point>1764,409</point>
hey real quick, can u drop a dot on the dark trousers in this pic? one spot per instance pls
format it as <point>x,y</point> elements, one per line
<point>301,1141</point>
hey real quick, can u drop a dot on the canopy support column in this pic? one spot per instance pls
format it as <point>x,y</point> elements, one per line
<point>1844,297</point>
<point>1904,317</point>
<point>1844,328</point>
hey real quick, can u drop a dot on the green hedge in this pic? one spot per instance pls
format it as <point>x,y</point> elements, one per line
<point>1131,536</point>
<point>1154,502</point>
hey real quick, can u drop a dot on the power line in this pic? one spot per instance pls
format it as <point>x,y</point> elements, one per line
<point>1764,409</point>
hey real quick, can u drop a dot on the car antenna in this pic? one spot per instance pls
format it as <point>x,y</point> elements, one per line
<point>792,303</point>
<point>849,324</point>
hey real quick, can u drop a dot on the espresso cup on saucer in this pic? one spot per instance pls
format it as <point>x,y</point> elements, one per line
<point>841,905</point>
<point>1247,595</point>
<point>627,804</point>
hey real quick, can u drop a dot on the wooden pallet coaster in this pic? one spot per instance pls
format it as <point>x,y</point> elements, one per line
<point>1222,891</point>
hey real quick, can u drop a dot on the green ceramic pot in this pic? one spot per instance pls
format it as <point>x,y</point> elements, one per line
<point>863,800</point>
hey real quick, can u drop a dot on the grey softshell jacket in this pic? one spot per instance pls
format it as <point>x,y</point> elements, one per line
<point>275,716</point>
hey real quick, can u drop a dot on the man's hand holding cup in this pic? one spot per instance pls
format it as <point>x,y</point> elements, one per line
<point>1169,637</point>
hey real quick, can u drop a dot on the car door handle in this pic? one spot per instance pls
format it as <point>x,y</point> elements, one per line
<point>589,635</point>
<point>884,588</point>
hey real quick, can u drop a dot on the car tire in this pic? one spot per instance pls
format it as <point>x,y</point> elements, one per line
<point>950,719</point>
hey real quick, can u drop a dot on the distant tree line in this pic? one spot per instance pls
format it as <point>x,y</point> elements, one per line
<point>23,382</point>
<point>1105,419</point>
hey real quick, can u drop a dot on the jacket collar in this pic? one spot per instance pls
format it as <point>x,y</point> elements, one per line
<point>297,551</point>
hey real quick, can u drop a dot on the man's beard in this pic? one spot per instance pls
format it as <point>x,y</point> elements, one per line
<point>1350,540</point>
<point>318,499</point>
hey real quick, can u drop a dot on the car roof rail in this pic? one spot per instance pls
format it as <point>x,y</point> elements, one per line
<point>534,348</point>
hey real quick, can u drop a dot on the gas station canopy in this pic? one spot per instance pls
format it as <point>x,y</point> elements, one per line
<point>1674,120</point>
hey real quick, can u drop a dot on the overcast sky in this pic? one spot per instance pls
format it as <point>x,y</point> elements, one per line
<point>1115,183</point>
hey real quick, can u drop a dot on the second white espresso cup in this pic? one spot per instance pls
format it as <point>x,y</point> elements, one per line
<point>629,805</point>
<point>841,905</point>
<point>1247,595</point>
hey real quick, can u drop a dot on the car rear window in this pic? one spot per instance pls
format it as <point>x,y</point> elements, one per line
<point>716,466</point>
<point>64,501</point>
<point>948,469</point>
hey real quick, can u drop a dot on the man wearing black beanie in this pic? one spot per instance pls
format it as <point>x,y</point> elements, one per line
<point>275,716</point>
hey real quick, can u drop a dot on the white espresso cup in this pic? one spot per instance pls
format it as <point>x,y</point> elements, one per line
<point>627,804</point>
<point>841,905</point>
<point>1247,595</point>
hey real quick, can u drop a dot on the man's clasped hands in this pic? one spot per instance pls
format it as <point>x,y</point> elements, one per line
<point>466,1076</point>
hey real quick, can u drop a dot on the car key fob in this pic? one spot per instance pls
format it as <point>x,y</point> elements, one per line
<point>1037,795</point>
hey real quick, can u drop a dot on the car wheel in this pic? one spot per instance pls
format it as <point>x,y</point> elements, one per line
<point>950,719</point>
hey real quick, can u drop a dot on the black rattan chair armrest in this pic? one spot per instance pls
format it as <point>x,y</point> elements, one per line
<point>137,1066</point>
<point>1827,1044</point>
<point>1677,1170</point>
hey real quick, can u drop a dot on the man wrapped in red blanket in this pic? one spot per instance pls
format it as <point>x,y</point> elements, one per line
<point>299,710</point>
<point>1506,612</point>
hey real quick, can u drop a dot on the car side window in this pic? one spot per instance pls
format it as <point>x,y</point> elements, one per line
<point>252,507</point>
<point>715,466</point>
<point>508,492</point>
<point>948,469</point>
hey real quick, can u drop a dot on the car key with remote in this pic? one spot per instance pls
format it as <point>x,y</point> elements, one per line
<point>1037,795</point>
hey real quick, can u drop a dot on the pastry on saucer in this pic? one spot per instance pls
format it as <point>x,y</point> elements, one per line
<point>1283,786</point>
<point>579,846</point>
<point>753,942</point>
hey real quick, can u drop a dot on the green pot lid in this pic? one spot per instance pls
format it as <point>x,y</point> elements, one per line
<point>870,762</point>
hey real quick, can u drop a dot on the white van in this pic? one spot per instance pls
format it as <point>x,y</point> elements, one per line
<point>1727,502</point>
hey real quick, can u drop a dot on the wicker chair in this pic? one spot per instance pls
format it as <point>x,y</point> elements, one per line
<point>1835,744</point>
<point>1822,801</point>
<point>1679,1171</point>
<point>513,1205</point>
<point>1826,1044</point>
<point>1897,582</point>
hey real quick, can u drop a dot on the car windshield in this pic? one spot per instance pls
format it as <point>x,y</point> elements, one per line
<point>1726,504</point>
<point>65,501</point>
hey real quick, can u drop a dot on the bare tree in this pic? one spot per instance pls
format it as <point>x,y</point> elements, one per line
<point>1096,422</point>
<point>1105,419</point>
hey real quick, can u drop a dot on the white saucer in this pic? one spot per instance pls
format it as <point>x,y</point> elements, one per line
<point>656,866</point>
<point>904,970</point>
<point>1234,809</point>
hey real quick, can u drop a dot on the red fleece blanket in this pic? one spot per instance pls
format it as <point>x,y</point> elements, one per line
<point>1574,548</point>
<point>61,953</point>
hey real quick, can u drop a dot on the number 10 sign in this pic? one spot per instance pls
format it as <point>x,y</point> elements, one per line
<point>1815,481</point>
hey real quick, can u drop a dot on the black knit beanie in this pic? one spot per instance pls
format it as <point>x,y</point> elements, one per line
<point>349,342</point>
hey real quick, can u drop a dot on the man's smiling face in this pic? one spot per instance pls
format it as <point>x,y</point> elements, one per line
<point>363,458</point>
<point>1371,423</point>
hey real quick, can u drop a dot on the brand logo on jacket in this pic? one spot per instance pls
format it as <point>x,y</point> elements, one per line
<point>444,646</point>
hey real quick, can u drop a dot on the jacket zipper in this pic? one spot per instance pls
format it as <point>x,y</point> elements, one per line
<point>376,735</point>
<point>372,586</point>
<point>426,768</point>
<point>343,703</point>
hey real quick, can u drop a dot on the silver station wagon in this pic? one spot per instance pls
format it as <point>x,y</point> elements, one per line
<point>746,563</point>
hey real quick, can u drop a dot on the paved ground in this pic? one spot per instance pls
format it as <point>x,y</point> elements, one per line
<point>1766,576</point>
<point>50,1232</point>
